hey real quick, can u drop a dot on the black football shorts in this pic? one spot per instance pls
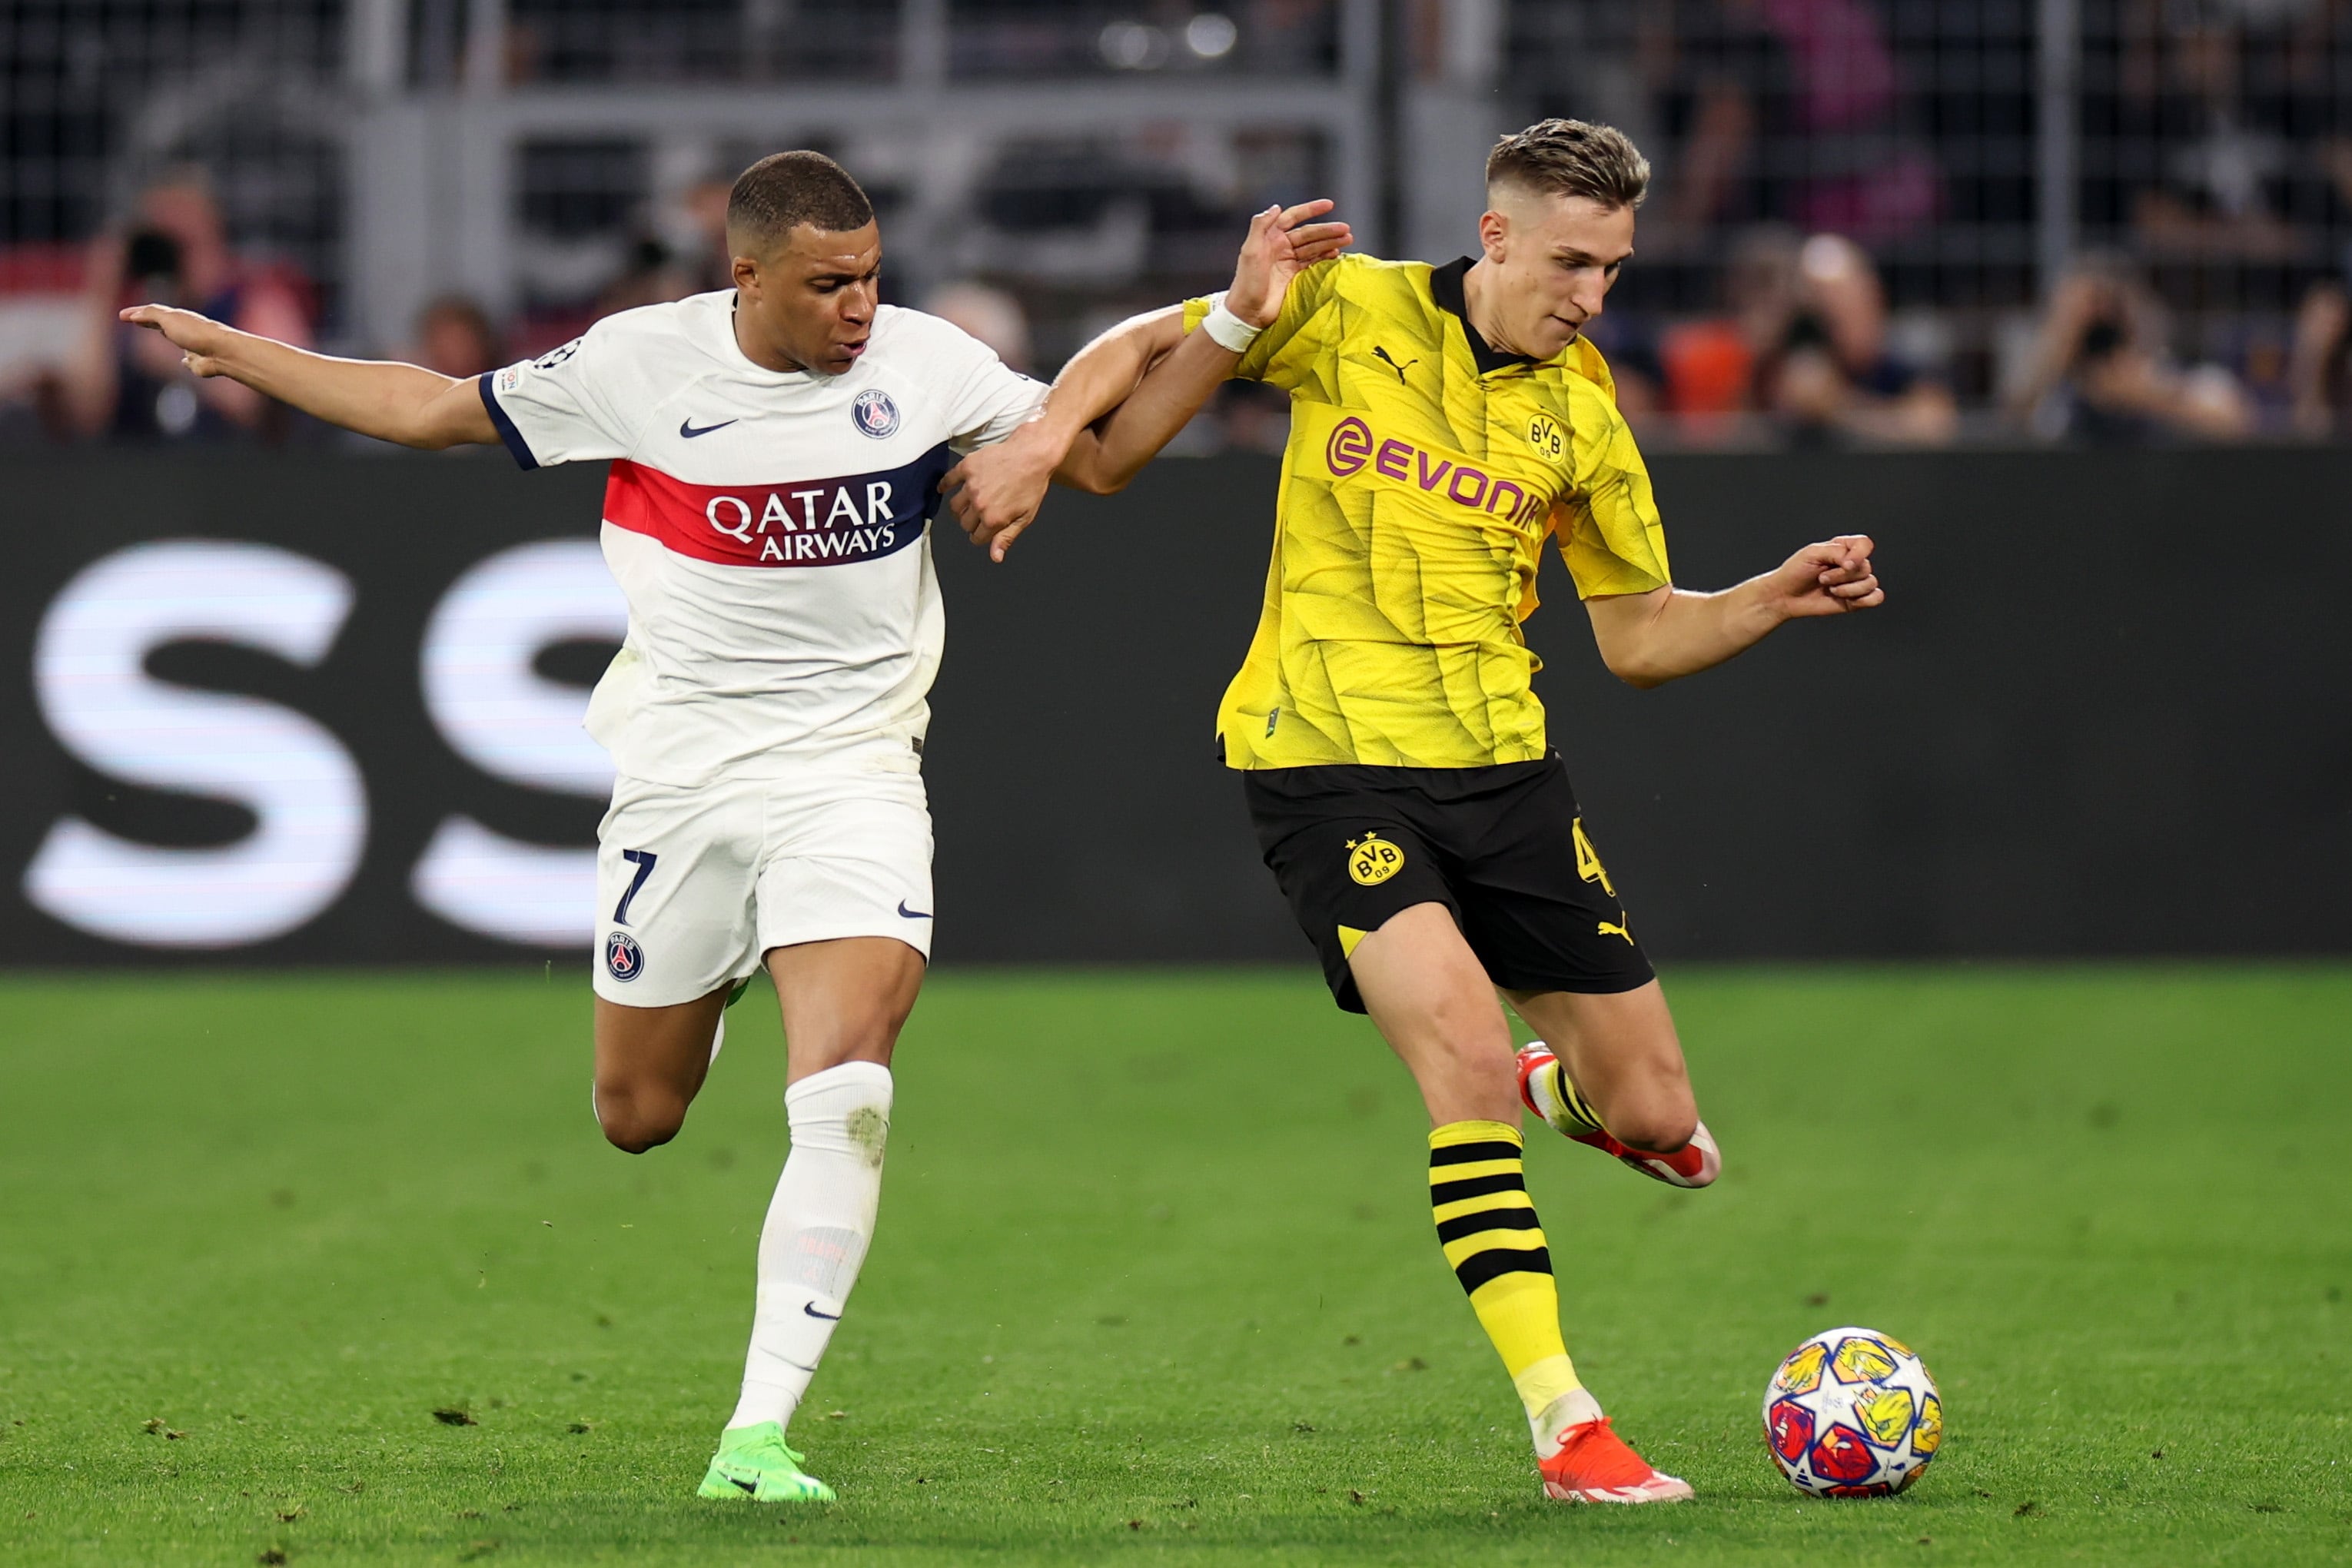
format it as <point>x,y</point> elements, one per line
<point>1503,847</point>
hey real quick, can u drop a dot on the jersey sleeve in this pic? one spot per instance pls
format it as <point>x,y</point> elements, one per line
<point>1265,361</point>
<point>986,398</point>
<point>568,406</point>
<point>994,401</point>
<point>1608,526</point>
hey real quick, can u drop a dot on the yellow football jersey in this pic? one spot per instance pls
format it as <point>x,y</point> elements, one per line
<point>1425,471</point>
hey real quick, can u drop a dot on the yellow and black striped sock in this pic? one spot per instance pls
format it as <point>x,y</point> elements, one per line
<point>1478,1193</point>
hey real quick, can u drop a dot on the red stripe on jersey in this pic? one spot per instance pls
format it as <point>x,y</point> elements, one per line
<point>808,522</point>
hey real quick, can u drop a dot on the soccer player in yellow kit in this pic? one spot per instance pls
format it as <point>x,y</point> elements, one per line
<point>1444,423</point>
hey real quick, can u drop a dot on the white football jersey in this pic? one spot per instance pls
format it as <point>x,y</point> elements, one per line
<point>770,529</point>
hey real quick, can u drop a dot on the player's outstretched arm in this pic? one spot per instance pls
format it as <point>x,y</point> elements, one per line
<point>1648,639</point>
<point>996,491</point>
<point>1106,456</point>
<point>1183,376</point>
<point>391,402</point>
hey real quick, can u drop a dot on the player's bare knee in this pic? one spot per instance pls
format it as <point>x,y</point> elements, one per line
<point>1464,1071</point>
<point>874,1038</point>
<point>1468,1026</point>
<point>633,1135</point>
<point>634,1123</point>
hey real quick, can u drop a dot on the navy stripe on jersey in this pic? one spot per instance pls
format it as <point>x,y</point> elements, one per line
<point>506,426</point>
<point>803,522</point>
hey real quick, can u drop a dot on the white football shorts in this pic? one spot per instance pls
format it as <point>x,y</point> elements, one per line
<point>693,886</point>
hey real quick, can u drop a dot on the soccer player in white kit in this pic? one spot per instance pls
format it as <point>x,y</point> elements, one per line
<point>777,455</point>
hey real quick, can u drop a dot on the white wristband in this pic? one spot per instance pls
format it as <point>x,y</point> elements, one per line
<point>1227,329</point>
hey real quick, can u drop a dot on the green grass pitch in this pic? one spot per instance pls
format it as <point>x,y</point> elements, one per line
<point>1155,1279</point>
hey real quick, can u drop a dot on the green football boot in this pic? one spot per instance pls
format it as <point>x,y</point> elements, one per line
<point>755,1463</point>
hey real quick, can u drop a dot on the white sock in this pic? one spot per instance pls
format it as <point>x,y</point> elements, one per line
<point>818,1226</point>
<point>1553,1423</point>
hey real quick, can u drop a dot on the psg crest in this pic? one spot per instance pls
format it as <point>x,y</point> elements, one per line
<point>624,959</point>
<point>874,413</point>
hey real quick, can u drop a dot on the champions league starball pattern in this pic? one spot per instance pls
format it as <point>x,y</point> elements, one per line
<point>1853,1413</point>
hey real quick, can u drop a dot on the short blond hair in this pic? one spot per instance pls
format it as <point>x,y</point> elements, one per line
<point>1571,158</point>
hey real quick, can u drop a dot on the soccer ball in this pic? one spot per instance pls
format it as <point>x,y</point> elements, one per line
<point>1853,1413</point>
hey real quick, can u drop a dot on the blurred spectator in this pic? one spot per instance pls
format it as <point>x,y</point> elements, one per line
<point>1825,373</point>
<point>454,336</point>
<point>696,231</point>
<point>129,383</point>
<point>1785,110</point>
<point>2319,370</point>
<point>2100,375</point>
<point>1628,341</point>
<point>2226,167</point>
<point>988,313</point>
<point>651,278</point>
<point>1708,365</point>
<point>1805,345</point>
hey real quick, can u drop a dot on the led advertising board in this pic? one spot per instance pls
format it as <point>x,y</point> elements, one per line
<point>314,706</point>
<point>324,708</point>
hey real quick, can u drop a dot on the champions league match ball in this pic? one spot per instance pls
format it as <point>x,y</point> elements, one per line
<point>1853,1413</point>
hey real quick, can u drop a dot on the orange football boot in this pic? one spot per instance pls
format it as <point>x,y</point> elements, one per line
<point>1592,1464</point>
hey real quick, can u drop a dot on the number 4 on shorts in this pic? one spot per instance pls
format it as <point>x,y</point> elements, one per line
<point>643,859</point>
<point>1588,864</point>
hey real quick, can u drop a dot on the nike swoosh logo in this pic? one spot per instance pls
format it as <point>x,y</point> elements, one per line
<point>751,1487</point>
<point>810,1308</point>
<point>685,427</point>
<point>913,915</point>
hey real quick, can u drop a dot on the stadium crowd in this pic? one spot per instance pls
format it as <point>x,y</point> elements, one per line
<point>1840,249</point>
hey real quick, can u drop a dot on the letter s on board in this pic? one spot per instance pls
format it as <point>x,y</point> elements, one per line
<point>308,803</point>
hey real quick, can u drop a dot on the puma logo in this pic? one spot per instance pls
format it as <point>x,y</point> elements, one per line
<point>1382,354</point>
<point>1608,930</point>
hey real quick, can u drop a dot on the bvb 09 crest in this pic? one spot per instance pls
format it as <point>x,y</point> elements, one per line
<point>1544,435</point>
<point>1372,859</point>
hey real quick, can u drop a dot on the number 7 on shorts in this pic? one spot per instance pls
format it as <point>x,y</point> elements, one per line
<point>643,859</point>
